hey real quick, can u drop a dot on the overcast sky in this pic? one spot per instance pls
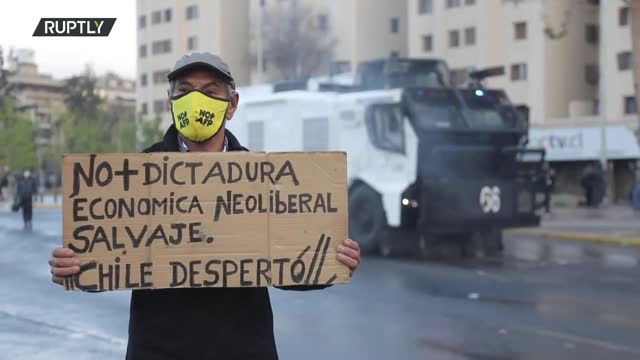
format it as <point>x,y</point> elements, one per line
<point>65,56</point>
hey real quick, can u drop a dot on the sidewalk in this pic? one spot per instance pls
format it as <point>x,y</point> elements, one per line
<point>617,225</point>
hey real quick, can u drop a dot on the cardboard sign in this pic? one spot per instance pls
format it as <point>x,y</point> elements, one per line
<point>236,219</point>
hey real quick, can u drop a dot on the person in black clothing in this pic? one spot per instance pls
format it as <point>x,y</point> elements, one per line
<point>548,185</point>
<point>4,182</point>
<point>200,323</point>
<point>594,184</point>
<point>25,190</point>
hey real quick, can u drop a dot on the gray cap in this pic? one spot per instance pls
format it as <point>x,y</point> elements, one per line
<point>205,60</point>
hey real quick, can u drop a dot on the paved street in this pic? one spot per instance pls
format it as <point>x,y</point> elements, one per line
<point>548,300</point>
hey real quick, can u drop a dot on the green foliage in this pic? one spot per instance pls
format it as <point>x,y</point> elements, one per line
<point>50,158</point>
<point>150,131</point>
<point>17,133</point>
<point>88,127</point>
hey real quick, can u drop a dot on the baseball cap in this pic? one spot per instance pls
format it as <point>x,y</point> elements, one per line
<point>205,60</point>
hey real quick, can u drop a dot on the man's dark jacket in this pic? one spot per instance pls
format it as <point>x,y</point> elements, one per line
<point>201,323</point>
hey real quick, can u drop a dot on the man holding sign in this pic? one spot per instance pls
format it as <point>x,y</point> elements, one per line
<point>178,316</point>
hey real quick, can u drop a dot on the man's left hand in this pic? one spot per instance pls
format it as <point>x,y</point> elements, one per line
<point>349,254</point>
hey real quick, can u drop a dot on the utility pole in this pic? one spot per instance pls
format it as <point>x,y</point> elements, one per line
<point>602,88</point>
<point>634,12</point>
<point>259,46</point>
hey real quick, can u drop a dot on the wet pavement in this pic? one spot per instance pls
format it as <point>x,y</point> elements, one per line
<point>546,299</point>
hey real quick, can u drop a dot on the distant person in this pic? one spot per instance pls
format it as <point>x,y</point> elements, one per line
<point>635,197</point>
<point>42,185</point>
<point>25,191</point>
<point>593,182</point>
<point>586,182</point>
<point>549,181</point>
<point>4,182</point>
<point>52,188</point>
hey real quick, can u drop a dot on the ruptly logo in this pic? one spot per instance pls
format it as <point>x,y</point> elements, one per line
<point>74,27</point>
<point>490,199</point>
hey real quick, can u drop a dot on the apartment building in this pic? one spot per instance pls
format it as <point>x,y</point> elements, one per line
<point>168,29</point>
<point>549,49</point>
<point>38,95</point>
<point>620,103</point>
<point>362,30</point>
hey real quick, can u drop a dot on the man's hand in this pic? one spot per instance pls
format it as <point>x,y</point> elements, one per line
<point>349,254</point>
<point>63,263</point>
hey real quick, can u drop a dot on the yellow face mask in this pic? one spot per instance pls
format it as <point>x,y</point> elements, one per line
<point>197,116</point>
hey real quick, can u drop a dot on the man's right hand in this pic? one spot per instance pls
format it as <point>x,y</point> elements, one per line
<point>63,263</point>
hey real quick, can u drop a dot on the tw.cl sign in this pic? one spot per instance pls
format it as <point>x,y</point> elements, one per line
<point>74,27</point>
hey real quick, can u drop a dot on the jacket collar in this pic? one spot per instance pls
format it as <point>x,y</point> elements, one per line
<point>170,141</point>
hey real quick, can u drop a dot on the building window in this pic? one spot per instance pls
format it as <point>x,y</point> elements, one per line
<point>192,43</point>
<point>470,36</point>
<point>160,77</point>
<point>143,80</point>
<point>453,3</point>
<point>315,134</point>
<point>427,43</point>
<point>623,16</point>
<point>454,38</point>
<point>323,22</point>
<point>425,6</point>
<point>192,12</point>
<point>156,17</point>
<point>592,34</point>
<point>630,105</point>
<point>591,73</point>
<point>395,25</point>
<point>161,47</point>
<point>519,72</point>
<point>256,135</point>
<point>469,2</point>
<point>142,51</point>
<point>159,106</point>
<point>520,30</point>
<point>624,60</point>
<point>143,108</point>
<point>142,21</point>
<point>167,15</point>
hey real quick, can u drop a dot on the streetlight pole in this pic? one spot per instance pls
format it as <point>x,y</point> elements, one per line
<point>259,48</point>
<point>602,89</point>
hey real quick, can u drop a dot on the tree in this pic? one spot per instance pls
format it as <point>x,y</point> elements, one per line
<point>294,42</point>
<point>91,125</point>
<point>149,131</point>
<point>18,150</point>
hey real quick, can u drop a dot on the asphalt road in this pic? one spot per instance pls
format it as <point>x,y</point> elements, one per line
<point>546,300</point>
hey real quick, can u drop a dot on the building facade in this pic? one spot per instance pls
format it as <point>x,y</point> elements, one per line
<point>38,95</point>
<point>361,29</point>
<point>168,29</point>
<point>619,97</point>
<point>549,49</point>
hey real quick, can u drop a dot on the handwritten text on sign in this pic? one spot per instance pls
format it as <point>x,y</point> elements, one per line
<point>167,220</point>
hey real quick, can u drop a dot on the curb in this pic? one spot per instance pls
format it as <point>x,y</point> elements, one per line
<point>602,239</point>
